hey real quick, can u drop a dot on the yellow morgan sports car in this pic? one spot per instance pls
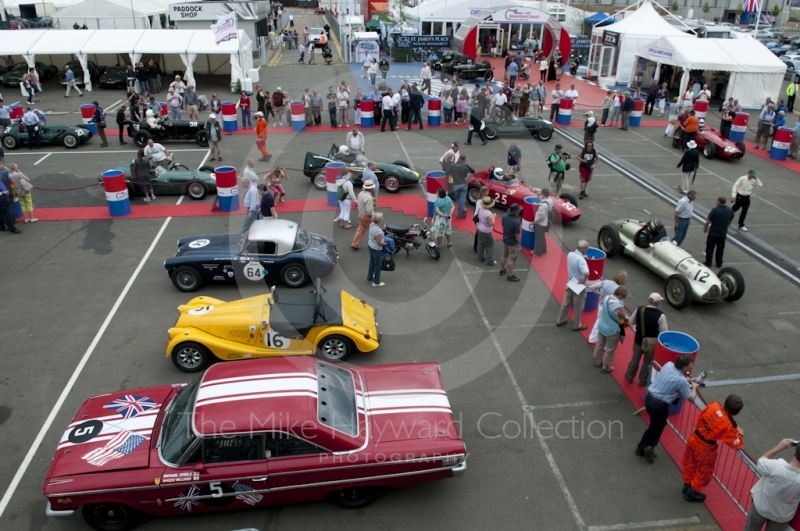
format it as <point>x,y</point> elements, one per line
<point>330,323</point>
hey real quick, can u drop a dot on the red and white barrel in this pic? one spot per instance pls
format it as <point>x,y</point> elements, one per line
<point>332,172</point>
<point>298,116</point>
<point>434,112</point>
<point>701,109</point>
<point>116,189</point>
<point>434,180</point>
<point>227,189</point>
<point>781,143</point>
<point>635,119</point>
<point>565,111</point>
<point>529,208</point>
<point>87,113</point>
<point>738,127</point>
<point>15,111</point>
<point>367,112</point>
<point>163,111</point>
<point>229,124</point>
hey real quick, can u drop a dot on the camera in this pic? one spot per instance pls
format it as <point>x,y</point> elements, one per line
<point>701,378</point>
<point>794,443</point>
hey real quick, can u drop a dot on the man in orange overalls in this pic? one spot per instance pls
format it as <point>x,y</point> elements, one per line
<point>261,136</point>
<point>700,457</point>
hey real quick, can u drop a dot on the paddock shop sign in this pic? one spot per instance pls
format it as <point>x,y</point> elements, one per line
<point>212,11</point>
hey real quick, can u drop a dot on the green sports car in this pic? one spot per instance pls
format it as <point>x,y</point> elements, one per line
<point>180,180</point>
<point>392,176</point>
<point>69,136</point>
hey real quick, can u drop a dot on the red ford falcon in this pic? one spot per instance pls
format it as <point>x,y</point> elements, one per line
<point>252,434</point>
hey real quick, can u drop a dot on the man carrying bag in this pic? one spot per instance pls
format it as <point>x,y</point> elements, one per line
<point>649,321</point>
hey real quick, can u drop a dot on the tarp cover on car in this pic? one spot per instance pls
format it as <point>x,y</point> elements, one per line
<point>292,315</point>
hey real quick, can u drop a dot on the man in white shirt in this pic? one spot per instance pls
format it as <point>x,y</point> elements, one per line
<point>572,94</point>
<point>425,75</point>
<point>556,95</point>
<point>157,153</point>
<point>777,493</point>
<point>396,103</point>
<point>249,172</point>
<point>343,96</point>
<point>387,111</point>
<point>740,195</point>
<point>251,204</point>
<point>453,151</point>
<point>355,141</point>
<point>366,63</point>
<point>578,271</point>
<point>683,216</point>
<point>704,94</point>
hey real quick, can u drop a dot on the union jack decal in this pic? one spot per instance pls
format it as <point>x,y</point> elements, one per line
<point>131,405</point>
<point>186,501</point>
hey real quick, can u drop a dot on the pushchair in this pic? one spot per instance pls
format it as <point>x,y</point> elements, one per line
<point>525,73</point>
<point>202,103</point>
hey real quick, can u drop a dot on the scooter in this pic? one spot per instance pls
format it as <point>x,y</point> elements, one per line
<point>408,238</point>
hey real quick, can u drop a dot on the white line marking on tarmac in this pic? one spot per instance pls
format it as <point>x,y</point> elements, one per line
<point>41,159</point>
<point>644,525</point>
<point>574,404</point>
<point>77,152</point>
<point>111,107</point>
<point>788,313</point>
<point>404,150</point>
<point>542,442</point>
<point>37,442</point>
<point>495,271</point>
<point>203,162</point>
<point>759,379</point>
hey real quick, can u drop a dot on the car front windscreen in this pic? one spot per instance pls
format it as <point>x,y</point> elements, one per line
<point>176,433</point>
<point>302,240</point>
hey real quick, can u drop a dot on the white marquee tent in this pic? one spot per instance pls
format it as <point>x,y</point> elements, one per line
<point>755,71</point>
<point>107,14</point>
<point>186,44</point>
<point>637,29</point>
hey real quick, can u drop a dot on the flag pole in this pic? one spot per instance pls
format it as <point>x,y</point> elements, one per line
<point>758,17</point>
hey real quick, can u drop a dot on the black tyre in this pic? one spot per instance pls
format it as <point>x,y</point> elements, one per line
<point>10,142</point>
<point>207,169</point>
<point>461,79</point>
<point>201,139</point>
<point>433,251</point>
<point>70,141</point>
<point>294,276</point>
<point>335,348</point>
<point>197,190</point>
<point>179,167</point>
<point>741,147</point>
<point>570,199</point>
<point>392,183</point>
<point>710,151</point>
<point>402,164</point>
<point>191,356</point>
<point>111,516</point>
<point>491,132</point>
<point>187,278</point>
<point>472,194</point>
<point>734,281</point>
<point>354,498</point>
<point>608,240</point>
<point>140,138</point>
<point>678,291</point>
<point>446,76</point>
<point>319,182</point>
<point>544,134</point>
<point>488,75</point>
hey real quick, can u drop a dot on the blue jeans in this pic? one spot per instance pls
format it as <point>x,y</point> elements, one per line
<point>658,411</point>
<point>175,113</point>
<point>249,218</point>
<point>683,228</point>
<point>375,261</point>
<point>144,86</point>
<point>246,123</point>
<point>448,114</point>
<point>460,193</point>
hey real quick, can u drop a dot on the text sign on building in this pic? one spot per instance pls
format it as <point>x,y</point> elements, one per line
<point>475,10</point>
<point>579,43</point>
<point>610,38</point>
<point>657,54</point>
<point>423,41</point>
<point>520,15</point>
<point>212,11</point>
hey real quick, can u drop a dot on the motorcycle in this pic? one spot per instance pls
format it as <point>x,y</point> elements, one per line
<point>408,238</point>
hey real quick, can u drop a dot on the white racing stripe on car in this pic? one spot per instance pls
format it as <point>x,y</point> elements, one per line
<point>407,401</point>
<point>406,392</point>
<point>242,398</point>
<point>372,412</point>
<point>240,390</point>
<point>116,418</point>
<point>257,377</point>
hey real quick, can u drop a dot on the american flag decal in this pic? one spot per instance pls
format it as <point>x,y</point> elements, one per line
<point>247,494</point>
<point>120,445</point>
<point>186,501</point>
<point>131,405</point>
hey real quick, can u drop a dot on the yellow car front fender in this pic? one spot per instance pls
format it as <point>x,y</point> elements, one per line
<point>362,344</point>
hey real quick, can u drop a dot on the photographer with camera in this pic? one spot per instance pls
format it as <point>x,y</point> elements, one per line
<point>558,165</point>
<point>777,493</point>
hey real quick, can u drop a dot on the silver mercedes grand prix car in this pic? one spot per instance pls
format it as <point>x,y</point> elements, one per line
<point>686,278</point>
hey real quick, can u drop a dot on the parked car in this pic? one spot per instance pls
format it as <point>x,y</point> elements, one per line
<point>114,77</point>
<point>497,126</point>
<point>181,130</point>
<point>711,143</point>
<point>69,136</point>
<point>77,69</point>
<point>468,71</point>
<point>792,68</point>
<point>274,250</point>
<point>451,59</point>
<point>218,444</point>
<point>179,180</point>
<point>319,10</point>
<point>330,323</point>
<point>391,176</point>
<point>512,191</point>
<point>686,278</point>
<point>314,34</point>
<point>13,77</point>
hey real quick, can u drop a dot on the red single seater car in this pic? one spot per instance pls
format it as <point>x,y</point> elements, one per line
<point>319,10</point>
<point>712,144</point>
<point>514,191</point>
<point>253,434</point>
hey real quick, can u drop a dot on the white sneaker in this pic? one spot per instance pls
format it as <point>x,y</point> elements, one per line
<point>743,229</point>
<point>378,285</point>
<point>146,199</point>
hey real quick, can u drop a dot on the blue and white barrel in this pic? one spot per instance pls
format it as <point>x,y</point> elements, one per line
<point>434,112</point>
<point>298,116</point>
<point>227,189</point>
<point>781,143</point>
<point>367,112</point>
<point>332,172</point>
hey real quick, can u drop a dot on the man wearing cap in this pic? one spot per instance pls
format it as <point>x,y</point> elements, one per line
<point>683,216</point>
<point>99,119</point>
<point>765,120</point>
<point>214,135</point>
<point>717,228</point>
<point>740,195</point>
<point>689,164</point>
<point>366,207</point>
<point>649,322</point>
<point>261,136</point>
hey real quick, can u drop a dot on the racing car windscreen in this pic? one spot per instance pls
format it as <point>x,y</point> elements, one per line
<point>336,399</point>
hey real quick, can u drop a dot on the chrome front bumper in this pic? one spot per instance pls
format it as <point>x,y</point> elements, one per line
<point>459,470</point>
<point>60,515</point>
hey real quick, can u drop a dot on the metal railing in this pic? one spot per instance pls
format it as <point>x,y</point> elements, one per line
<point>735,472</point>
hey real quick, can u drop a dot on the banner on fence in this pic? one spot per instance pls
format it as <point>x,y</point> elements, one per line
<point>423,41</point>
